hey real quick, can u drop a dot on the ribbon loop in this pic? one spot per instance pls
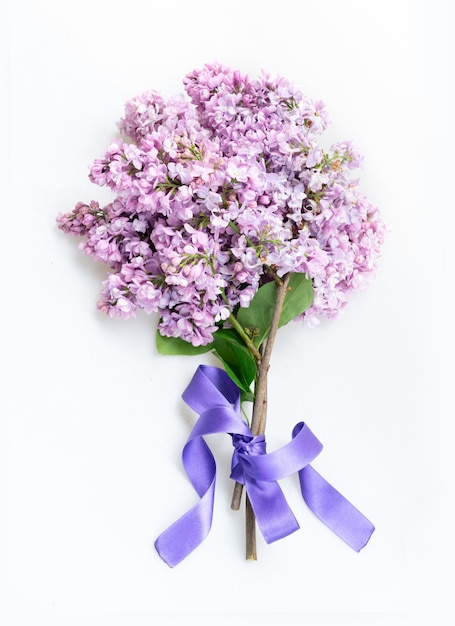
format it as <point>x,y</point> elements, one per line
<point>216,398</point>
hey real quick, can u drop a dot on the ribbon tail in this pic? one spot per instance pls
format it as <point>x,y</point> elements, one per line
<point>273,514</point>
<point>334,510</point>
<point>190,530</point>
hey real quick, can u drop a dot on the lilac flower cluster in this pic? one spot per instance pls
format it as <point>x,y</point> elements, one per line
<point>217,191</point>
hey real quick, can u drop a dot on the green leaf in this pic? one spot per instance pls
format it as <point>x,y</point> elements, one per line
<point>236,358</point>
<point>258,315</point>
<point>246,396</point>
<point>175,345</point>
<point>299,298</point>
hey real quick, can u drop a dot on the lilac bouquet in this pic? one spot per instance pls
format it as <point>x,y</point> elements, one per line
<point>229,220</point>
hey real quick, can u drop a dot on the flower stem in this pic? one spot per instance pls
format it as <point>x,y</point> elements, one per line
<point>248,341</point>
<point>258,421</point>
<point>250,532</point>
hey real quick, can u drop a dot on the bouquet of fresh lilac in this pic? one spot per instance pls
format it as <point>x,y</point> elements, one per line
<point>229,220</point>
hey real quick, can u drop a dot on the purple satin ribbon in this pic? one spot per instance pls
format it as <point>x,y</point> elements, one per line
<point>216,398</point>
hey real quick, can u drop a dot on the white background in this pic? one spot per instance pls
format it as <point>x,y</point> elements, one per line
<point>92,421</point>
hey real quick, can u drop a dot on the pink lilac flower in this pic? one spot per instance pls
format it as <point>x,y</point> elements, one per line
<point>215,191</point>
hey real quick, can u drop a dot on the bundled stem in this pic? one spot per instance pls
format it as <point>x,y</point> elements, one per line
<point>258,422</point>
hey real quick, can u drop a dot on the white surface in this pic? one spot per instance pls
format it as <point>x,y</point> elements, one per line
<point>92,416</point>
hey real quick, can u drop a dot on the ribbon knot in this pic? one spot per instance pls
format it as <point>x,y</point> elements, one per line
<point>248,445</point>
<point>245,447</point>
<point>216,398</point>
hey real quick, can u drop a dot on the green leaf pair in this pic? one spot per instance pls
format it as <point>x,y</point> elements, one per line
<point>228,345</point>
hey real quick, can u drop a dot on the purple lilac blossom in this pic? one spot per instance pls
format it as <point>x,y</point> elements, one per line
<point>215,191</point>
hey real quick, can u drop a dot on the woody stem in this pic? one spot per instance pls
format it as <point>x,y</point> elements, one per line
<point>260,410</point>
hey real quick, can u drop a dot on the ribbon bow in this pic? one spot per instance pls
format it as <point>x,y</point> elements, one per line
<point>216,398</point>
